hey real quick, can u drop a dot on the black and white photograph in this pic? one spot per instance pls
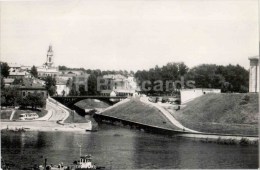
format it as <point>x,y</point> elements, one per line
<point>129,84</point>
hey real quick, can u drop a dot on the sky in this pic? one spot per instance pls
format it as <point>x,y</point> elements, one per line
<point>130,34</point>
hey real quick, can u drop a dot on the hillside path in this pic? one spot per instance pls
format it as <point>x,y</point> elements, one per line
<point>167,115</point>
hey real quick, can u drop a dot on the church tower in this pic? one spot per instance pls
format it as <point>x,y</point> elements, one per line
<point>49,61</point>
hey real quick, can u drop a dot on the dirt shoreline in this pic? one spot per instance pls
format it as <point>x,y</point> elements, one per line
<point>45,126</point>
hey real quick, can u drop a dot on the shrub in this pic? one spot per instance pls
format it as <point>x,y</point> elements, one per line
<point>244,141</point>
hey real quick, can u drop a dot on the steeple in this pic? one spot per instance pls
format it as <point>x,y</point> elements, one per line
<point>49,61</point>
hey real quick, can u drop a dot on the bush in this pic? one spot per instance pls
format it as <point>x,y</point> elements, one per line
<point>244,141</point>
<point>244,100</point>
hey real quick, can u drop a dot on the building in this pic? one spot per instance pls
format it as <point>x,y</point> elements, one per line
<point>118,85</point>
<point>29,86</point>
<point>254,74</point>
<point>62,88</point>
<point>81,81</point>
<point>17,74</point>
<point>69,74</point>
<point>190,94</point>
<point>44,72</point>
<point>16,71</point>
<point>48,68</point>
<point>8,81</point>
<point>14,67</point>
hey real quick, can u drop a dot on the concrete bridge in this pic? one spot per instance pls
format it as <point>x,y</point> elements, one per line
<point>69,101</point>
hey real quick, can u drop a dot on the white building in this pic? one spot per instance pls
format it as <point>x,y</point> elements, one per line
<point>118,85</point>
<point>254,74</point>
<point>190,94</point>
<point>62,88</point>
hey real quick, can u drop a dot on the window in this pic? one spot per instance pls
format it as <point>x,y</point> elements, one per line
<point>23,93</point>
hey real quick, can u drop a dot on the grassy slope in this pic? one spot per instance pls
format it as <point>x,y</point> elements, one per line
<point>135,110</point>
<point>222,113</point>
<point>76,118</point>
<point>91,104</point>
<point>5,114</point>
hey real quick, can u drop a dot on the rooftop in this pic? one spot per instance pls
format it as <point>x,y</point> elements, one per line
<point>31,84</point>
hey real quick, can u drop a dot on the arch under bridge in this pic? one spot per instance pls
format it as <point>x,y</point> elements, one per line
<point>69,101</point>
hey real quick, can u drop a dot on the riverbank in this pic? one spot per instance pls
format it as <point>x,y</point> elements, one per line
<point>135,110</point>
<point>44,126</point>
<point>220,113</point>
<point>13,114</point>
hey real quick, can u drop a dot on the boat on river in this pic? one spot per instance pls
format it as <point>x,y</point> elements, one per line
<point>84,163</point>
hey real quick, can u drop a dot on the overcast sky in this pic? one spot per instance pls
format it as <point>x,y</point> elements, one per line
<point>130,34</point>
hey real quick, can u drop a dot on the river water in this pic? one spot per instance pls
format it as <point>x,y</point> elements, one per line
<point>122,148</point>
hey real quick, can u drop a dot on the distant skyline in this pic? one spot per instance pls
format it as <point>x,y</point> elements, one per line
<point>130,34</point>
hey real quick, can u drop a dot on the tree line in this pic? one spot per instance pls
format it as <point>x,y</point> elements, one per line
<point>230,78</point>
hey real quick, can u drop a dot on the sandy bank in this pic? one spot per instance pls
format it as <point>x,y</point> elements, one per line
<point>46,126</point>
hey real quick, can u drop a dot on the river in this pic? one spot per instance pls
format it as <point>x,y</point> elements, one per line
<point>122,148</point>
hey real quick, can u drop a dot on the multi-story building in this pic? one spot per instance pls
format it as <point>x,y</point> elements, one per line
<point>118,85</point>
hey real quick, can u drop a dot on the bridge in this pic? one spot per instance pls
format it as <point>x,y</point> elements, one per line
<point>69,101</point>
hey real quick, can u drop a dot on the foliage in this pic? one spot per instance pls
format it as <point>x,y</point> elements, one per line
<point>34,71</point>
<point>50,84</point>
<point>244,141</point>
<point>230,78</point>
<point>2,83</point>
<point>82,90</point>
<point>92,85</point>
<point>73,90</point>
<point>170,72</point>
<point>33,100</point>
<point>4,69</point>
<point>227,78</point>
<point>10,96</point>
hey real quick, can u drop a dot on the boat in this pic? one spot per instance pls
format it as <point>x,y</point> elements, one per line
<point>84,163</point>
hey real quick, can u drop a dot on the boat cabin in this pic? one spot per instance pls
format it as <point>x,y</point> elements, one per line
<point>86,162</point>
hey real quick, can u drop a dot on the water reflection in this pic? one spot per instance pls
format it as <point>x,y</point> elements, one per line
<point>123,148</point>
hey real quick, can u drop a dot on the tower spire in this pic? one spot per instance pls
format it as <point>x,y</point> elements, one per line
<point>49,61</point>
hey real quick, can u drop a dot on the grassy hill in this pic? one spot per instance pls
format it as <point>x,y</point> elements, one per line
<point>91,104</point>
<point>135,110</point>
<point>222,113</point>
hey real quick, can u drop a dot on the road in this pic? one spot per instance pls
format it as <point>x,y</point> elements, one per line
<point>56,112</point>
<point>167,115</point>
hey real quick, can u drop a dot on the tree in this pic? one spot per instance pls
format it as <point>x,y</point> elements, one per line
<point>82,90</point>
<point>63,93</point>
<point>4,69</point>
<point>92,85</point>
<point>229,78</point>
<point>11,95</point>
<point>50,84</point>
<point>73,91</point>
<point>33,100</point>
<point>34,71</point>
<point>2,84</point>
